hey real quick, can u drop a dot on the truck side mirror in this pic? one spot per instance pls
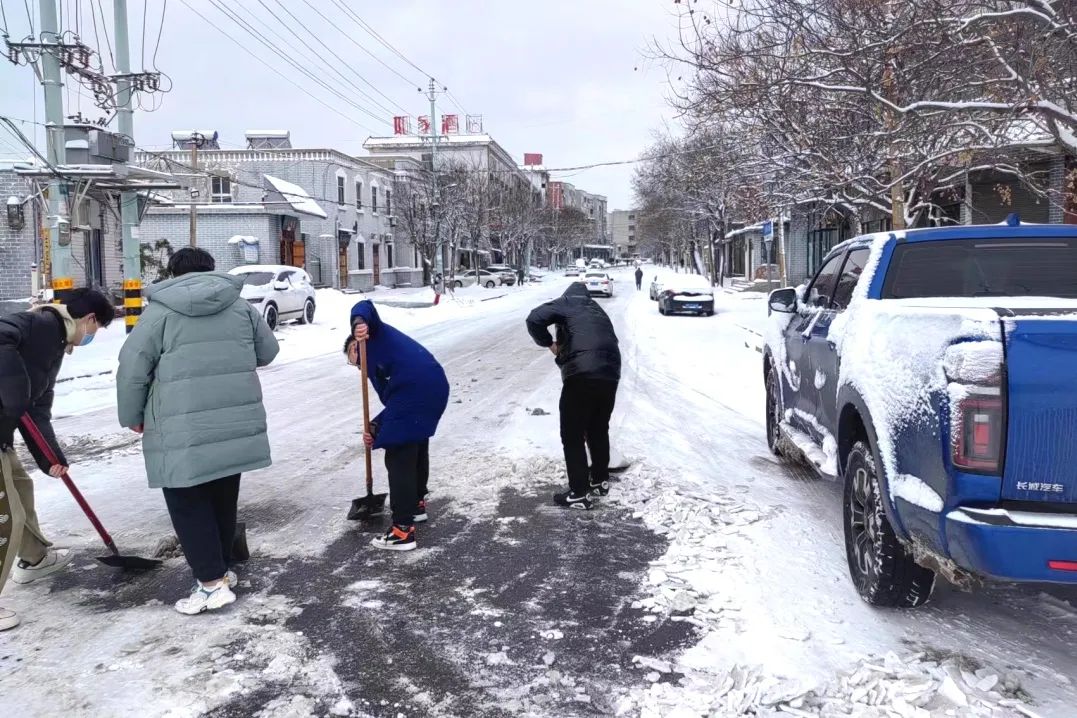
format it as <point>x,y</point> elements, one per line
<point>783,301</point>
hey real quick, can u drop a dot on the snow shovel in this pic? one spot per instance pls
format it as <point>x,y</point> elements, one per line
<point>116,560</point>
<point>371,505</point>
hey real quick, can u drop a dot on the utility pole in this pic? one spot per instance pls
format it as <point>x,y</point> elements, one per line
<point>132,260</point>
<point>196,141</point>
<point>59,225</point>
<point>439,260</point>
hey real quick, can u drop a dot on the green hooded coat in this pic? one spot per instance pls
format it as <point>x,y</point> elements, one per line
<point>188,375</point>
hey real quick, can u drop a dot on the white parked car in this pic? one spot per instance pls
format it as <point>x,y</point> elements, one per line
<point>599,283</point>
<point>282,293</point>
<point>485,277</point>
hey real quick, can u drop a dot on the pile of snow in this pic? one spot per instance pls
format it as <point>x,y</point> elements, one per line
<point>694,582</point>
<point>915,686</point>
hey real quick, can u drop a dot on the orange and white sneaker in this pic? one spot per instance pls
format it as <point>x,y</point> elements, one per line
<point>397,538</point>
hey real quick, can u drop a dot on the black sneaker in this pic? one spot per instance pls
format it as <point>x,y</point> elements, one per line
<point>599,490</point>
<point>572,501</point>
<point>420,512</point>
<point>397,538</point>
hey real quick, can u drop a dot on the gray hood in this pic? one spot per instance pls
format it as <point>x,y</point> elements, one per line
<point>198,294</point>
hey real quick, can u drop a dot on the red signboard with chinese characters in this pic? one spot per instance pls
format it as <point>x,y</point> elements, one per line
<point>450,124</point>
<point>555,193</point>
<point>474,124</point>
<point>402,125</point>
<point>424,125</point>
<point>532,159</point>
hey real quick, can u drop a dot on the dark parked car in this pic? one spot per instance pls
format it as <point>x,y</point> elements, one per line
<point>687,294</point>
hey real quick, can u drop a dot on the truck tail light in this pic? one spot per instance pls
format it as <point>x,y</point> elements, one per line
<point>978,430</point>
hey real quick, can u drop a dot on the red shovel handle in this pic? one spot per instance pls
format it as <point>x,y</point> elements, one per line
<point>43,446</point>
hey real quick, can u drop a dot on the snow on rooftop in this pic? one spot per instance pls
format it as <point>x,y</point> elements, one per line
<point>298,197</point>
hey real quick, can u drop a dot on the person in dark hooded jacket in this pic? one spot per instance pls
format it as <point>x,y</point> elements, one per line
<point>412,387</point>
<point>33,345</point>
<point>586,349</point>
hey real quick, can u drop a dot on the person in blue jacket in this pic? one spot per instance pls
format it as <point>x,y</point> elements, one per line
<point>412,387</point>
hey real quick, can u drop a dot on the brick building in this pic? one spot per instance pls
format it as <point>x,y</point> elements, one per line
<point>320,209</point>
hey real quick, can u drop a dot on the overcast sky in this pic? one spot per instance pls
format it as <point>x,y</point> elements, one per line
<point>565,78</point>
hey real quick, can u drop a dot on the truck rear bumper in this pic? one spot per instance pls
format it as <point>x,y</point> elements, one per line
<point>1014,545</point>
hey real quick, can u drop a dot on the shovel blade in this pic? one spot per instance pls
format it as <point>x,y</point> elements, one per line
<point>366,507</point>
<point>129,563</point>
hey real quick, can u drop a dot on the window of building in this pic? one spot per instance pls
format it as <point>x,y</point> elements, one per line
<point>340,190</point>
<point>631,217</point>
<point>631,228</point>
<point>361,246</point>
<point>358,194</point>
<point>374,200</point>
<point>388,202</point>
<point>221,190</point>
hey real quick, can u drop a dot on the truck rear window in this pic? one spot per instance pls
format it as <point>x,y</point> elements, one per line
<point>983,268</point>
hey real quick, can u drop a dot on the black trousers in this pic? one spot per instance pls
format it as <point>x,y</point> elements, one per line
<point>586,407</point>
<point>639,284</point>
<point>204,517</point>
<point>409,471</point>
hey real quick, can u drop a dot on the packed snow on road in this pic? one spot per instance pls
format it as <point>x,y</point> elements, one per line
<point>712,581</point>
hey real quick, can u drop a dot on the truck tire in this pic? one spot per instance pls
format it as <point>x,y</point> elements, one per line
<point>774,413</point>
<point>881,567</point>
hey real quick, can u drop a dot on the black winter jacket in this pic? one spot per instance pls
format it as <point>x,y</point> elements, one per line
<point>32,346</point>
<point>588,344</point>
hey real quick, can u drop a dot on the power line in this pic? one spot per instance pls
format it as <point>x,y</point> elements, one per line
<point>345,62</point>
<point>104,29</point>
<point>392,48</point>
<point>323,60</point>
<point>361,47</point>
<point>160,32</point>
<point>275,50</point>
<point>145,12</point>
<point>270,67</point>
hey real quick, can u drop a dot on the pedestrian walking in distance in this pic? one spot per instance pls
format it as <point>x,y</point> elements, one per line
<point>521,275</point>
<point>188,382</point>
<point>586,350</point>
<point>32,349</point>
<point>639,278</point>
<point>412,387</point>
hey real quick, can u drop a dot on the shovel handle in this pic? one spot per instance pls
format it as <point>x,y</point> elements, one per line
<point>50,456</point>
<point>366,416</point>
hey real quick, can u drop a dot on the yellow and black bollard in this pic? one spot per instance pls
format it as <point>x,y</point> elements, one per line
<point>61,287</point>
<point>132,302</point>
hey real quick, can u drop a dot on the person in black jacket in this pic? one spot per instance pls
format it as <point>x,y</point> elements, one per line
<point>32,349</point>
<point>586,350</point>
<point>639,278</point>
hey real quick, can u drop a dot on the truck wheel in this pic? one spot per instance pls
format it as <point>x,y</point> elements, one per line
<point>882,569</point>
<point>774,413</point>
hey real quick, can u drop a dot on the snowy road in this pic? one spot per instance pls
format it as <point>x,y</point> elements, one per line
<point>715,564</point>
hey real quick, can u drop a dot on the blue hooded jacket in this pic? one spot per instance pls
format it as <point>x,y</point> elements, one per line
<point>408,379</point>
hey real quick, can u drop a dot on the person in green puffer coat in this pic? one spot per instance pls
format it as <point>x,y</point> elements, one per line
<point>188,382</point>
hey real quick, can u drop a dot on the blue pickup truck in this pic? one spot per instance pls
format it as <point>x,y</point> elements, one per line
<point>934,373</point>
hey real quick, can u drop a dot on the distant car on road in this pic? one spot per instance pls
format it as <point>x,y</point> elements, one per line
<point>599,283</point>
<point>572,271</point>
<point>687,294</point>
<point>282,293</point>
<point>485,277</point>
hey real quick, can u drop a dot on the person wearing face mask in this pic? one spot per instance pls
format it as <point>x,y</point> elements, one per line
<point>33,345</point>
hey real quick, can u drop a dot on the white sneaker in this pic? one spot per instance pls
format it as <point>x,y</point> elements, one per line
<point>8,619</point>
<point>204,598</point>
<point>55,560</point>
<point>229,576</point>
